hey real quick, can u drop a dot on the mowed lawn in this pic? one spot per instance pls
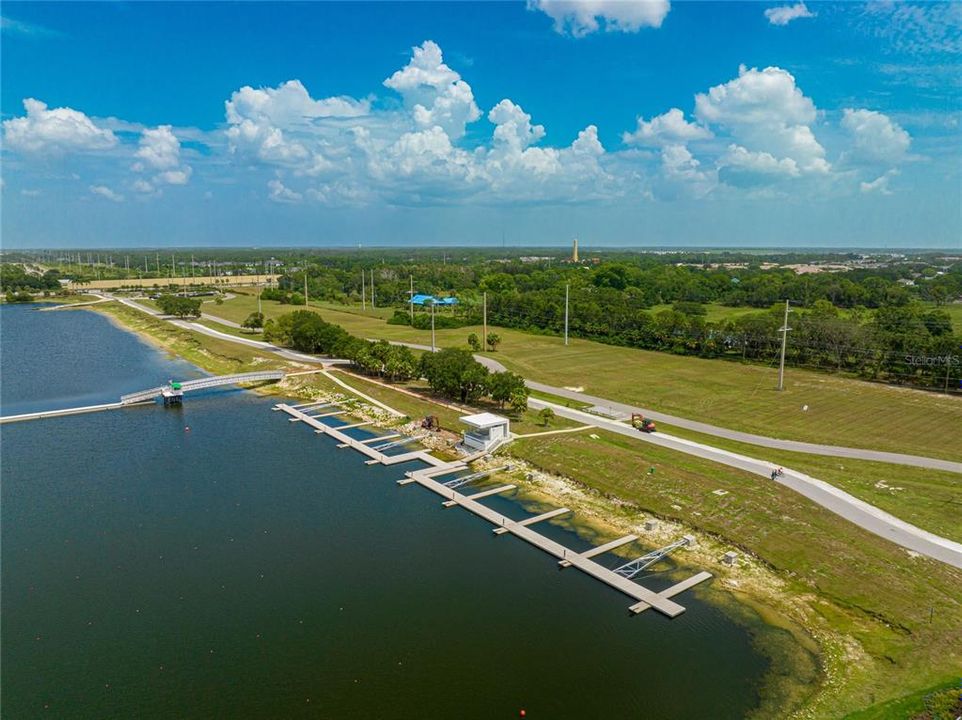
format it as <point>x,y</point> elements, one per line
<point>840,411</point>
<point>905,612</point>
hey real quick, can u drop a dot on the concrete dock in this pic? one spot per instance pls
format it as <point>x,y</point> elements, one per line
<point>645,598</point>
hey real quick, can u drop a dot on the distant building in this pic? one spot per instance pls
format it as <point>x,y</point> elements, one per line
<point>574,250</point>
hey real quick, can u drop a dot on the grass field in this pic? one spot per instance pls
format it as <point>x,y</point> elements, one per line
<point>715,312</point>
<point>840,411</point>
<point>903,613</point>
<point>219,356</point>
<point>869,589</point>
<point>930,499</point>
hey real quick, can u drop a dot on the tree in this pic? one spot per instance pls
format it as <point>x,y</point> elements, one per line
<point>493,341</point>
<point>519,400</point>
<point>503,385</point>
<point>546,415</point>
<point>454,373</point>
<point>254,321</point>
<point>474,342</point>
<point>179,306</point>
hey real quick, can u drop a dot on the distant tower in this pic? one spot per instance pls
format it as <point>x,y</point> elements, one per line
<point>574,250</point>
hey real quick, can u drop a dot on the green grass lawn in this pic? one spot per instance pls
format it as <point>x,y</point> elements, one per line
<point>870,589</point>
<point>715,312</point>
<point>930,499</point>
<point>841,411</point>
<point>955,312</point>
<point>527,422</point>
<point>222,357</point>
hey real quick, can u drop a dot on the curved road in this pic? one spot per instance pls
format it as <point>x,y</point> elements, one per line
<point>828,496</point>
<point>761,440</point>
<point>857,511</point>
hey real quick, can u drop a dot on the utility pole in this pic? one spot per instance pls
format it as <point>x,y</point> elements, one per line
<point>781,364</point>
<point>363,296</point>
<point>411,300</point>
<point>372,288</point>
<point>305,288</point>
<point>566,312</point>
<point>484,316</point>
<point>158,266</point>
<point>433,345</point>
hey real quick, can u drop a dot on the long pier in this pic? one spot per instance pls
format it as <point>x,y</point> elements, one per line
<point>426,477</point>
<point>144,397</point>
<point>44,414</point>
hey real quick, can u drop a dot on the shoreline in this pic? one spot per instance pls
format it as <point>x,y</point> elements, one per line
<point>755,595</point>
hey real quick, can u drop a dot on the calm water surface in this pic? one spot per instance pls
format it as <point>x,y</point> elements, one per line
<point>249,569</point>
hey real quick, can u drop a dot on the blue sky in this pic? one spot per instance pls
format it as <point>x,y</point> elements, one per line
<point>619,122</point>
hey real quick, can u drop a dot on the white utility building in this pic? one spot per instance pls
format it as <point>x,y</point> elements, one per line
<point>485,430</point>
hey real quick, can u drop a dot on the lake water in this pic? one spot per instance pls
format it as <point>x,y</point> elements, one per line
<point>249,569</point>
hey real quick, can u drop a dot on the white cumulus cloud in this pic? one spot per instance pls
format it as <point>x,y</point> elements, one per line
<point>876,138</point>
<point>57,130</point>
<point>784,14</point>
<point>433,92</point>
<point>159,151</point>
<point>273,124</point>
<point>159,148</point>
<point>669,128</point>
<point>583,17</point>
<point>765,111</point>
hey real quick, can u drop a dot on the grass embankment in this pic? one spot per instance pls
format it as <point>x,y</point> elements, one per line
<point>446,412</point>
<point>841,411</point>
<point>904,614</point>
<point>888,624</point>
<point>930,499</point>
<point>218,356</point>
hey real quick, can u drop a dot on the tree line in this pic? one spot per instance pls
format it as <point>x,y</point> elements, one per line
<point>452,372</point>
<point>884,324</point>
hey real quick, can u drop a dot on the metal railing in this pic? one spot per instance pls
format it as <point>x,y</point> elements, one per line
<point>203,383</point>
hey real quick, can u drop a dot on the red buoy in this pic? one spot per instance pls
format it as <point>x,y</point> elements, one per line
<point>522,713</point>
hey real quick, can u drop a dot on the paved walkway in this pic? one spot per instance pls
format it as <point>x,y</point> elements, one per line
<point>838,501</point>
<point>857,511</point>
<point>203,329</point>
<point>626,410</point>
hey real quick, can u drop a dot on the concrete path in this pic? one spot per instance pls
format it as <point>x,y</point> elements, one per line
<point>259,344</point>
<point>761,440</point>
<point>838,501</point>
<point>828,496</point>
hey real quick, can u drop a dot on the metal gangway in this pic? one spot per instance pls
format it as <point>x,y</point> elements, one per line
<point>203,383</point>
<point>465,479</point>
<point>630,569</point>
<point>397,443</point>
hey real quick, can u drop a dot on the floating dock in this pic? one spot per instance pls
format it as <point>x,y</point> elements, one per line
<point>426,477</point>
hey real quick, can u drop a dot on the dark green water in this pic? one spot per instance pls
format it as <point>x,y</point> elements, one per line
<point>249,569</point>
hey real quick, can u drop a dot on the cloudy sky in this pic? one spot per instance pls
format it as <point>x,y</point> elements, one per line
<point>615,121</point>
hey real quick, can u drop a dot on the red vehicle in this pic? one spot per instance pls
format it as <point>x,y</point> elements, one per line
<point>642,423</point>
